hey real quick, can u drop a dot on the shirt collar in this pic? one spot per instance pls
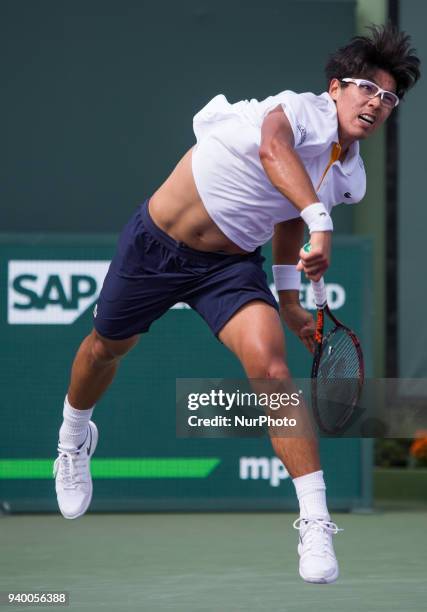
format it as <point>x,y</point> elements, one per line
<point>350,161</point>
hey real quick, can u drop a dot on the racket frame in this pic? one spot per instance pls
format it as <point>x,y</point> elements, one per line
<point>320,343</point>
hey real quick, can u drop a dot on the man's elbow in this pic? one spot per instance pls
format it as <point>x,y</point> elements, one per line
<point>273,151</point>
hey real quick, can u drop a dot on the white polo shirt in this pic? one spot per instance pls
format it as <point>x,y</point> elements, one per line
<point>231,180</point>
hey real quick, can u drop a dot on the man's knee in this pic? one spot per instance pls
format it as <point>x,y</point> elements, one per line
<point>277,369</point>
<point>104,350</point>
<point>269,367</point>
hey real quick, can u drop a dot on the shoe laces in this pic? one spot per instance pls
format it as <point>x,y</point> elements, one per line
<point>72,468</point>
<point>317,534</point>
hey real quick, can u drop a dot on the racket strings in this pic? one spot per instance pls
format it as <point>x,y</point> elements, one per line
<point>340,358</point>
<point>338,377</point>
<point>337,380</point>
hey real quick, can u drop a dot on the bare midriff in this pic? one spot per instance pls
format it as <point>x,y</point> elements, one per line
<point>177,209</point>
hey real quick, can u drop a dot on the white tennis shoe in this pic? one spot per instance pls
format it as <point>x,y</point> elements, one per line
<point>318,562</point>
<point>73,481</point>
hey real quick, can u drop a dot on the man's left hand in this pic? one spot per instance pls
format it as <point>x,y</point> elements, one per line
<point>300,322</point>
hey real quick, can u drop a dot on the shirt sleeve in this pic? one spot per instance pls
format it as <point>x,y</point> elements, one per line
<point>312,118</point>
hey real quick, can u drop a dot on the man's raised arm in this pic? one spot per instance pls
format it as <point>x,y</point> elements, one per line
<point>287,173</point>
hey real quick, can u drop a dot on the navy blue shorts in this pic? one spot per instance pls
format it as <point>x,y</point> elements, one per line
<point>150,272</point>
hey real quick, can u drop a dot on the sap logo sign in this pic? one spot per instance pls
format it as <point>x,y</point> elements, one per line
<point>52,292</point>
<point>335,294</point>
<point>263,468</point>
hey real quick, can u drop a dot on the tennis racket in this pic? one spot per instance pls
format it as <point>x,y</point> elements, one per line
<point>338,369</point>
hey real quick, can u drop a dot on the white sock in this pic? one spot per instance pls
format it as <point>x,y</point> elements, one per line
<point>73,430</point>
<point>311,493</point>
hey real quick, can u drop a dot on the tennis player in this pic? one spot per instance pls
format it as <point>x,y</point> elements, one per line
<point>259,170</point>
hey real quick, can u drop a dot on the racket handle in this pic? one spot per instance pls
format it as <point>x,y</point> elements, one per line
<point>319,289</point>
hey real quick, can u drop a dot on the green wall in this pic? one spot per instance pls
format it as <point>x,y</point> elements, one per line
<point>48,288</point>
<point>370,217</point>
<point>412,209</point>
<point>99,96</point>
<point>99,99</point>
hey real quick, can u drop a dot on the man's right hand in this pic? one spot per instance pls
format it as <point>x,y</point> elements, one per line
<point>315,263</point>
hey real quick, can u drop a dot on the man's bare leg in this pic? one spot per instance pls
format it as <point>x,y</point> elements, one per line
<point>92,372</point>
<point>256,336</point>
<point>262,354</point>
<point>94,367</point>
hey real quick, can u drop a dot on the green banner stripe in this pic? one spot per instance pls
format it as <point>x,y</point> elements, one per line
<point>162,467</point>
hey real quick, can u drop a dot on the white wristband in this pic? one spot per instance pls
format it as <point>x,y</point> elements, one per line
<point>317,218</point>
<point>286,277</point>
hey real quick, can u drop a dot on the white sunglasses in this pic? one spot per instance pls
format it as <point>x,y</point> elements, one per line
<point>370,90</point>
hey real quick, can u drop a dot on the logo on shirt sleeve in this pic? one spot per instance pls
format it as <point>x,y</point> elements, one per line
<point>303,133</point>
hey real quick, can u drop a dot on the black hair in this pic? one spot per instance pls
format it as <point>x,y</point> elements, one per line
<point>386,48</point>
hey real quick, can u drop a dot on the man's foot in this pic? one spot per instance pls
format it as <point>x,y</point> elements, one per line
<point>72,474</point>
<point>318,562</point>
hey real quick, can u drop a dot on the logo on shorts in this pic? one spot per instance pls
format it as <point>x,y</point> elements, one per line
<point>48,292</point>
<point>347,194</point>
